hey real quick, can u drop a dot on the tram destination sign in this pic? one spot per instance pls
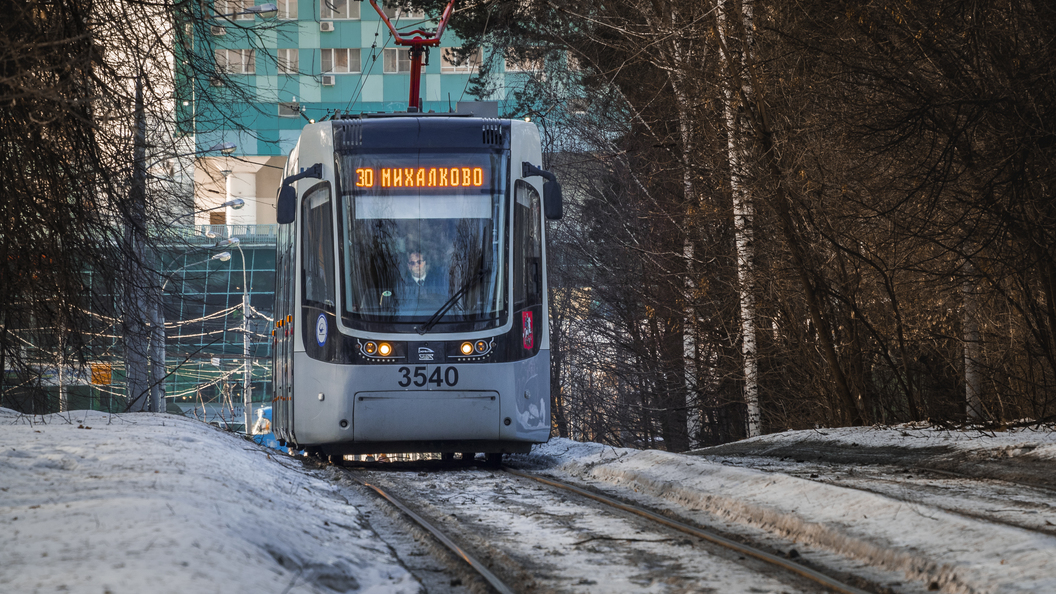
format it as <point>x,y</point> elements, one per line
<point>421,177</point>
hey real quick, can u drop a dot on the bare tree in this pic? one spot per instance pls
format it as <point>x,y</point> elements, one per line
<point>851,202</point>
<point>91,135</point>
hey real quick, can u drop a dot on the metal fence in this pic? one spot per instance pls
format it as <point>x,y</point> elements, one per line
<point>202,235</point>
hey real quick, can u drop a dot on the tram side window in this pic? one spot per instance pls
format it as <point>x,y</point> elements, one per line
<point>527,248</point>
<point>317,248</point>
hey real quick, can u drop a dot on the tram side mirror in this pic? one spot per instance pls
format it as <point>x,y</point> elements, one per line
<point>286,209</point>
<point>553,204</point>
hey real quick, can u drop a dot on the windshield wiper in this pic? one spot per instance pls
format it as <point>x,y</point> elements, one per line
<point>435,318</point>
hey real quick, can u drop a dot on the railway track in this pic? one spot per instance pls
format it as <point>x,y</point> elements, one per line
<point>1020,504</point>
<point>524,533</point>
<point>1010,504</point>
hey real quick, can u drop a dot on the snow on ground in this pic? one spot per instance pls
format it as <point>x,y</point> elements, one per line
<point>95,503</point>
<point>1012,442</point>
<point>921,542</point>
<point>134,503</point>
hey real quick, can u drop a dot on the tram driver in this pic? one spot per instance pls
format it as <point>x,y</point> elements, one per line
<point>418,282</point>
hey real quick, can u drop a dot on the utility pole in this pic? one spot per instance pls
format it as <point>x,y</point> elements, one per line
<point>247,370</point>
<point>157,345</point>
<point>247,364</point>
<point>158,354</point>
<point>135,331</point>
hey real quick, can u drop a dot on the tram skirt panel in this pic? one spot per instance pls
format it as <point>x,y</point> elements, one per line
<point>426,415</point>
<point>532,398</point>
<point>322,405</point>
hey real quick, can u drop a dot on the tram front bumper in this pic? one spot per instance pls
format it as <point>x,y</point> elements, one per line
<point>426,415</point>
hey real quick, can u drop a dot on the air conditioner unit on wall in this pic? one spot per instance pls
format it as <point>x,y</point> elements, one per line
<point>217,30</point>
<point>328,80</point>
<point>326,26</point>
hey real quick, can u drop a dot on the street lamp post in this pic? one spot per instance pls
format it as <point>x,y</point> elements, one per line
<point>247,369</point>
<point>235,204</point>
<point>157,332</point>
<point>158,368</point>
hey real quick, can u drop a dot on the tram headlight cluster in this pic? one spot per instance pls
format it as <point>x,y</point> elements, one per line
<point>377,349</point>
<point>470,348</point>
<point>380,349</point>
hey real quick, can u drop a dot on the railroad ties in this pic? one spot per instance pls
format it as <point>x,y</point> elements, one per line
<point>435,517</point>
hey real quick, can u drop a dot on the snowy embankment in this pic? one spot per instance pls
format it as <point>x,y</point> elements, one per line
<point>94,503</point>
<point>91,502</point>
<point>922,543</point>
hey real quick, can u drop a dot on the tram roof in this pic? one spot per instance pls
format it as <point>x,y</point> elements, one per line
<point>420,130</point>
<point>402,114</point>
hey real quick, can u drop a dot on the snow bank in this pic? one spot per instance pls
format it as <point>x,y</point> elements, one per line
<point>91,502</point>
<point>1007,443</point>
<point>134,503</point>
<point>923,543</point>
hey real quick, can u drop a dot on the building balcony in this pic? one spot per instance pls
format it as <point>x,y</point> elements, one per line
<point>203,235</point>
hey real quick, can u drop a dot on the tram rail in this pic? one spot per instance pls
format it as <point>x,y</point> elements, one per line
<point>770,558</point>
<point>444,539</point>
<point>781,564</point>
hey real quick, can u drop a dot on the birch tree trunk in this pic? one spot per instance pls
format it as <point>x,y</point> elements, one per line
<point>743,213</point>
<point>972,349</point>
<point>667,20</point>
<point>689,344</point>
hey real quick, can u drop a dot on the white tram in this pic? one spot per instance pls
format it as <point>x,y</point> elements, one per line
<point>411,300</point>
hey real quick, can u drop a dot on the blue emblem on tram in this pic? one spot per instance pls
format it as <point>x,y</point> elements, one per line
<point>320,329</point>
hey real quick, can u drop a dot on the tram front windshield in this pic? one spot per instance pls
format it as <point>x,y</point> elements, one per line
<point>423,241</point>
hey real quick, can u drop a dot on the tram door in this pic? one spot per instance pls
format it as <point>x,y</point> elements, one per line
<point>282,347</point>
<point>528,266</point>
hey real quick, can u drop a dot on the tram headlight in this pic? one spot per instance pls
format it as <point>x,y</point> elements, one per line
<point>481,346</point>
<point>466,348</point>
<point>384,349</point>
<point>370,348</point>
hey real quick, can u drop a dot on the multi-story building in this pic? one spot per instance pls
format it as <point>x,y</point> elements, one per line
<point>314,58</point>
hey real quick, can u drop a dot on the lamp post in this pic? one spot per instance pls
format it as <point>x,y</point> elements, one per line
<point>235,204</point>
<point>158,371</point>
<point>157,333</point>
<point>247,369</point>
<point>225,148</point>
<point>158,368</point>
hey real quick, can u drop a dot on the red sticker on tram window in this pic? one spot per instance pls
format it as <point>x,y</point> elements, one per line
<point>527,330</point>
